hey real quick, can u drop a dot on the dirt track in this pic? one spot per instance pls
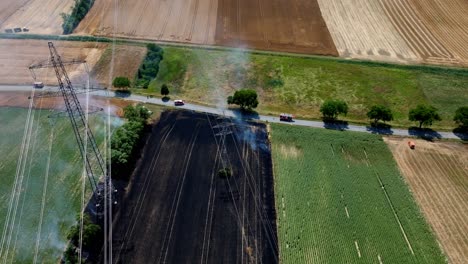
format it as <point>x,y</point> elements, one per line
<point>280,25</point>
<point>20,99</point>
<point>40,16</point>
<point>178,210</point>
<point>437,174</point>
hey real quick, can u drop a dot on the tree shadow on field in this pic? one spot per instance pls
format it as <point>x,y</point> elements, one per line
<point>461,132</point>
<point>123,93</point>
<point>380,128</point>
<point>246,114</point>
<point>424,133</point>
<point>335,124</point>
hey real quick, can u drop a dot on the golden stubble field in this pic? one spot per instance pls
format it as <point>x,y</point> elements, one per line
<point>405,31</point>
<point>17,55</point>
<point>190,21</point>
<point>437,174</point>
<point>40,16</point>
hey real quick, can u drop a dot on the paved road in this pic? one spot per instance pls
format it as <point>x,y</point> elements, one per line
<point>317,124</point>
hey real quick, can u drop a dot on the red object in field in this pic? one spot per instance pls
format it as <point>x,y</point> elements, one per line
<point>286,117</point>
<point>411,144</point>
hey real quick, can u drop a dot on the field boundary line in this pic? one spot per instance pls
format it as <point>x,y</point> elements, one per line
<point>393,209</point>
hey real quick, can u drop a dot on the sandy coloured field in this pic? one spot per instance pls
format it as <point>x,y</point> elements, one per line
<point>414,31</point>
<point>9,7</point>
<point>361,30</point>
<point>40,16</point>
<point>437,174</point>
<point>191,21</point>
<point>17,55</point>
<point>448,22</point>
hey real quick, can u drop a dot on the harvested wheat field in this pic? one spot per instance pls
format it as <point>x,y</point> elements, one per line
<point>361,30</point>
<point>414,31</point>
<point>40,16</point>
<point>191,21</point>
<point>448,22</point>
<point>9,7</point>
<point>294,26</point>
<point>437,174</point>
<point>17,55</point>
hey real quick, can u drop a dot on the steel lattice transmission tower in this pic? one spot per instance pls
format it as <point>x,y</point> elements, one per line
<point>103,192</point>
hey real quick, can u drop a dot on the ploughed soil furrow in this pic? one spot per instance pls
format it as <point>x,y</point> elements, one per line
<point>177,208</point>
<point>437,175</point>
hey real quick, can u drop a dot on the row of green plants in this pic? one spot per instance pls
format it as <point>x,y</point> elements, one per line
<point>79,11</point>
<point>319,173</point>
<point>126,138</point>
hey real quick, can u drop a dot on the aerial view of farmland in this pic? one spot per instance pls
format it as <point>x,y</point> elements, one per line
<point>234,131</point>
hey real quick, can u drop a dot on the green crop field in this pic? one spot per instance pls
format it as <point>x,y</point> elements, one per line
<point>341,199</point>
<point>62,199</point>
<point>299,85</point>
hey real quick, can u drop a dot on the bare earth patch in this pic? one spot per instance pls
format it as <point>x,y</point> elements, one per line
<point>437,174</point>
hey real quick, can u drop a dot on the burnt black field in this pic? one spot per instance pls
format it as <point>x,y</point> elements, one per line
<point>179,210</point>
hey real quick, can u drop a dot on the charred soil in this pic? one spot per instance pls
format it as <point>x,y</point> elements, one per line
<point>179,210</point>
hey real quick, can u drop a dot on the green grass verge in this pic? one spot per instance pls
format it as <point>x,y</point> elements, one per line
<point>63,196</point>
<point>299,85</point>
<point>323,176</point>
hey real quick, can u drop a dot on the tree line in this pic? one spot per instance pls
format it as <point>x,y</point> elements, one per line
<point>79,11</point>
<point>424,114</point>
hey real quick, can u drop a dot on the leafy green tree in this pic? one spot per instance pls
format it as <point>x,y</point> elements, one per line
<point>136,113</point>
<point>461,116</point>
<point>330,109</point>
<point>380,112</point>
<point>245,98</point>
<point>92,235</point>
<point>164,90</point>
<point>121,82</point>
<point>424,114</point>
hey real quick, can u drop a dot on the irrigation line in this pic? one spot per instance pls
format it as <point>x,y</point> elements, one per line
<point>28,176</point>
<point>211,204</point>
<point>44,193</point>
<point>229,185</point>
<point>187,163</point>
<point>18,181</point>
<point>391,206</point>
<point>248,172</point>
<point>14,187</point>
